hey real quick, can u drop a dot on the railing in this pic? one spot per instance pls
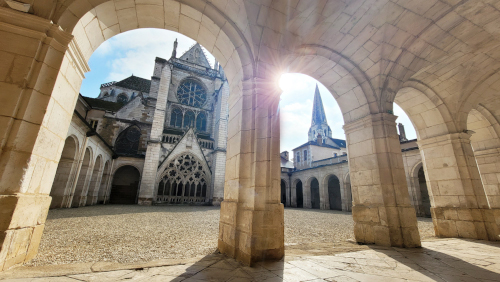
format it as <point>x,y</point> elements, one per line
<point>206,71</point>
<point>170,138</point>
<point>334,160</point>
<point>207,144</point>
<point>108,84</point>
<point>163,199</point>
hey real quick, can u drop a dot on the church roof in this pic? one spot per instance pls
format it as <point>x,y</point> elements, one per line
<point>103,105</point>
<point>314,143</point>
<point>339,142</point>
<point>135,83</point>
<point>196,55</point>
<point>318,114</point>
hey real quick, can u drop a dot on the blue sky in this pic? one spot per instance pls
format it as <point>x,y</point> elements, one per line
<point>134,52</point>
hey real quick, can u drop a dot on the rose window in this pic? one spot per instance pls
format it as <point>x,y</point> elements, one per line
<point>191,93</point>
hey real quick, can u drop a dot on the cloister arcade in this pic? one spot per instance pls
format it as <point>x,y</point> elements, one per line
<point>437,59</point>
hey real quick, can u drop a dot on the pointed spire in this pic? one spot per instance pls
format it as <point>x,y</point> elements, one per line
<point>174,51</point>
<point>318,114</point>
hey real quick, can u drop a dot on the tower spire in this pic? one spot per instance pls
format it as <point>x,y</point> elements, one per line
<point>318,114</point>
<point>319,126</point>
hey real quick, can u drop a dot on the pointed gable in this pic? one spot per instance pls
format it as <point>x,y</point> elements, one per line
<point>318,114</point>
<point>187,144</point>
<point>196,55</point>
<point>135,83</point>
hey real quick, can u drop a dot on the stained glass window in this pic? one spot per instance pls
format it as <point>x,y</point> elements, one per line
<point>189,119</point>
<point>176,118</point>
<point>201,122</point>
<point>191,93</point>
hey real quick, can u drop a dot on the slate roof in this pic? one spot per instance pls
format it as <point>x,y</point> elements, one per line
<point>103,105</point>
<point>318,114</point>
<point>135,83</point>
<point>316,144</point>
<point>341,143</point>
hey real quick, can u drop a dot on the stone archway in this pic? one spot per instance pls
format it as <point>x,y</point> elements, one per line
<point>283,192</point>
<point>424,193</point>
<point>102,194</point>
<point>65,172</point>
<point>300,194</point>
<point>315,195</point>
<point>83,180</point>
<point>95,183</point>
<point>125,186</point>
<point>334,195</point>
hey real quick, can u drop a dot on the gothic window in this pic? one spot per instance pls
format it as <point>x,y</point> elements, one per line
<point>189,119</point>
<point>127,142</point>
<point>305,155</point>
<point>186,176</point>
<point>176,118</point>
<point>191,93</point>
<point>201,122</point>
<point>122,98</point>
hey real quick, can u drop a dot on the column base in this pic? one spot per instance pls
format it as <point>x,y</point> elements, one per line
<point>21,226</point>
<point>145,202</point>
<point>371,226</point>
<point>251,236</point>
<point>481,224</point>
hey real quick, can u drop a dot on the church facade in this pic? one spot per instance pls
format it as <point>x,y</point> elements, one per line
<point>158,141</point>
<point>318,176</point>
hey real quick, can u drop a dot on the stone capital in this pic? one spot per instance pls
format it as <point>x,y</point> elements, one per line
<point>369,121</point>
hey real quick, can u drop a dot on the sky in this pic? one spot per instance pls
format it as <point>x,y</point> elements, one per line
<point>134,52</point>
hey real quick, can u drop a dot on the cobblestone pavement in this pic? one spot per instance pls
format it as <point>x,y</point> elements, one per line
<point>444,260</point>
<point>130,234</point>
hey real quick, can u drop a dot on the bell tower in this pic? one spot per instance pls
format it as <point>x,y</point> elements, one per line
<point>319,125</point>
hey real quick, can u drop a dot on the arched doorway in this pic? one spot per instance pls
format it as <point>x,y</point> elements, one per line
<point>125,186</point>
<point>94,183</point>
<point>104,181</point>
<point>65,169</point>
<point>283,192</point>
<point>300,194</point>
<point>334,195</point>
<point>315,200</point>
<point>82,179</point>
<point>424,193</point>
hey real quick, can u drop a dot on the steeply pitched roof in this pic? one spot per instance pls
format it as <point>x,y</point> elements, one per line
<point>318,114</point>
<point>196,55</point>
<point>135,83</point>
<point>341,143</point>
<point>99,104</point>
<point>316,144</point>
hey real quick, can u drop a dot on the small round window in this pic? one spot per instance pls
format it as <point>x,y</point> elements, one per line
<point>191,93</point>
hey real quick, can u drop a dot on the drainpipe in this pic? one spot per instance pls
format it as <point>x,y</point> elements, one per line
<point>77,174</point>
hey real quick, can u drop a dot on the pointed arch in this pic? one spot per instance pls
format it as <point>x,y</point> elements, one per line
<point>127,142</point>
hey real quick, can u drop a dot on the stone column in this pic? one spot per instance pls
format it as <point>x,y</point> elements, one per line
<point>459,206</point>
<point>220,144</point>
<point>160,84</point>
<point>252,217</point>
<point>381,208</point>
<point>33,127</point>
<point>488,162</point>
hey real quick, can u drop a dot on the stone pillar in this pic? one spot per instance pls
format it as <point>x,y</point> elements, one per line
<point>459,206</point>
<point>488,162</point>
<point>381,208</point>
<point>160,84</point>
<point>252,217</point>
<point>220,143</point>
<point>33,127</point>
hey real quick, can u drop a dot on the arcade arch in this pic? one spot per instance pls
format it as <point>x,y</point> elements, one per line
<point>95,182</point>
<point>103,189</point>
<point>125,186</point>
<point>83,179</point>
<point>65,168</point>
<point>334,194</point>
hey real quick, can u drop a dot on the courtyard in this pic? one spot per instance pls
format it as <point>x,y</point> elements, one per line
<point>132,233</point>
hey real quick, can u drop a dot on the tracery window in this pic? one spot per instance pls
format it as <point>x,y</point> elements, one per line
<point>128,141</point>
<point>189,119</point>
<point>191,93</point>
<point>122,98</point>
<point>176,118</point>
<point>201,122</point>
<point>183,181</point>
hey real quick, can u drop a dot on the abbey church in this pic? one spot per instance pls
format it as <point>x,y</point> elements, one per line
<point>168,133</point>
